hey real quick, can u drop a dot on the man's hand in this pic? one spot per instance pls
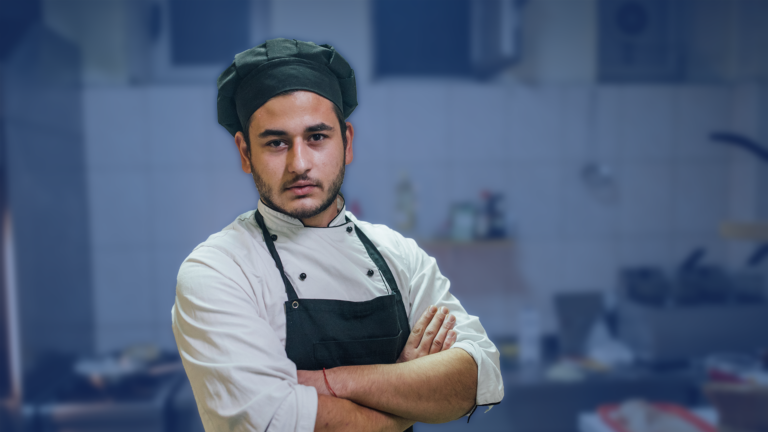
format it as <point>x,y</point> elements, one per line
<point>432,333</point>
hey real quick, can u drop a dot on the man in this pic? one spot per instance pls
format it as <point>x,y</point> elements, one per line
<point>297,316</point>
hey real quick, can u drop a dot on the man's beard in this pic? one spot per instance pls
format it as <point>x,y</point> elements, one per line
<point>267,194</point>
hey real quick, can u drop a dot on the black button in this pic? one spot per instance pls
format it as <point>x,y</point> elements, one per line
<point>370,272</point>
<point>274,237</point>
<point>349,229</point>
<point>303,276</point>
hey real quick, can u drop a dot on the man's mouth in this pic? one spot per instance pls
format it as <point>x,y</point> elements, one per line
<point>301,187</point>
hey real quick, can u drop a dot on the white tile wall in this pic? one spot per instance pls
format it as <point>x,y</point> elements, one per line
<point>122,275</point>
<point>645,207</point>
<point>479,127</point>
<point>588,265</point>
<point>609,120</point>
<point>120,211</point>
<point>578,122</point>
<point>701,195</point>
<point>700,111</point>
<point>416,120</point>
<point>163,176</point>
<point>647,115</point>
<point>646,250</point>
<point>177,120</point>
<point>116,124</point>
<point>534,198</point>
<point>533,130</point>
<point>587,213</point>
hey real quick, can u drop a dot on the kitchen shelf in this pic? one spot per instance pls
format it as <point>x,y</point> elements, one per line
<point>477,268</point>
<point>755,231</point>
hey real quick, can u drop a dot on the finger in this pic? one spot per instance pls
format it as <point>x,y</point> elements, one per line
<point>432,329</point>
<point>450,339</point>
<point>439,341</point>
<point>418,329</point>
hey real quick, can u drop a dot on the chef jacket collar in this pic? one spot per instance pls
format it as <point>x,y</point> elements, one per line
<point>275,219</point>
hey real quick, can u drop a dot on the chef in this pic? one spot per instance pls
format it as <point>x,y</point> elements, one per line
<point>298,316</point>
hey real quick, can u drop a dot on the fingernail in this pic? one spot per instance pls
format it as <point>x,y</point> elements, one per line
<point>451,318</point>
<point>445,310</point>
<point>432,309</point>
<point>451,334</point>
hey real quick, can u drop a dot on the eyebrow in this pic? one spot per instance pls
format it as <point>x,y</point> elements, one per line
<point>280,133</point>
<point>320,127</point>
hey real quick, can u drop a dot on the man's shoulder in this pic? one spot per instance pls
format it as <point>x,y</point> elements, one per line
<point>225,254</point>
<point>235,241</point>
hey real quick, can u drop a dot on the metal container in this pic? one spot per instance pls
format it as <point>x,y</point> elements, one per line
<point>664,333</point>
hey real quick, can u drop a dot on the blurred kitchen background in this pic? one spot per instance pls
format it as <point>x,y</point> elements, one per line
<point>591,174</point>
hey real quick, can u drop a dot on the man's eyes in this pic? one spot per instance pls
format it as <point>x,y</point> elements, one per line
<point>279,143</point>
<point>317,137</point>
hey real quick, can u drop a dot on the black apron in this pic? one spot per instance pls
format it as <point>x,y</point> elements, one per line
<point>330,333</point>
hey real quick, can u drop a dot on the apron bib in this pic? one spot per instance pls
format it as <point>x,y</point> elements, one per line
<point>331,333</point>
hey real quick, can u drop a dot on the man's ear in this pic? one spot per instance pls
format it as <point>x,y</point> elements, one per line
<point>348,153</point>
<point>245,154</point>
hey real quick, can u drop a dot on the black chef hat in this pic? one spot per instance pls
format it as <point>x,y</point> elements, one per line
<point>279,65</point>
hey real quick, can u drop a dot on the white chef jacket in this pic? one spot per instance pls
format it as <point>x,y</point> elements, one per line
<point>229,322</point>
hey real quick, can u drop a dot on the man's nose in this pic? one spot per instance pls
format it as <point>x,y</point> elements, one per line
<point>299,158</point>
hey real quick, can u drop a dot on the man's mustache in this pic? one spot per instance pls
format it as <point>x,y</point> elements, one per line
<point>302,180</point>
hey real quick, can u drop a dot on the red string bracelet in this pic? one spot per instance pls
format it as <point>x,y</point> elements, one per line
<point>328,385</point>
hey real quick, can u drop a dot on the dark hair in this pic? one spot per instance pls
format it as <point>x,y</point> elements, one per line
<point>336,110</point>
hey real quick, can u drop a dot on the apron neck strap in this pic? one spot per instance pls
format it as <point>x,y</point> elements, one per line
<point>278,263</point>
<point>377,259</point>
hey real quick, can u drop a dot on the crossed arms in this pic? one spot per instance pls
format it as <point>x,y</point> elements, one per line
<point>227,328</point>
<point>429,383</point>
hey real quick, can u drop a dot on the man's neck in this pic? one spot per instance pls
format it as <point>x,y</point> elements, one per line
<point>324,218</point>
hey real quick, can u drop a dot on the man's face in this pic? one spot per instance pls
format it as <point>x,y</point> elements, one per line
<point>297,155</point>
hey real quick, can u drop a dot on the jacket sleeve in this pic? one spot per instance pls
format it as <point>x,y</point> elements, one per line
<point>429,287</point>
<point>240,375</point>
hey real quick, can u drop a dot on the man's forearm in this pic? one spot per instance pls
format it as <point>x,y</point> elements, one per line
<point>335,414</point>
<point>434,389</point>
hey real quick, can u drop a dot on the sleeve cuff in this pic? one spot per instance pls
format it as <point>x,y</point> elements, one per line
<point>490,388</point>
<point>307,397</point>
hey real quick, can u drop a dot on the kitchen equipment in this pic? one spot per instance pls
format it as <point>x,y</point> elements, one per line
<point>640,416</point>
<point>405,210</point>
<point>463,222</point>
<point>140,388</point>
<point>740,141</point>
<point>645,285</point>
<point>529,337</point>
<point>659,334</point>
<point>734,368</point>
<point>748,285</point>
<point>600,180</point>
<point>701,311</point>
<point>705,284</point>
<point>741,407</point>
<point>157,405</point>
<point>758,256</point>
<point>490,223</point>
<point>576,313</point>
